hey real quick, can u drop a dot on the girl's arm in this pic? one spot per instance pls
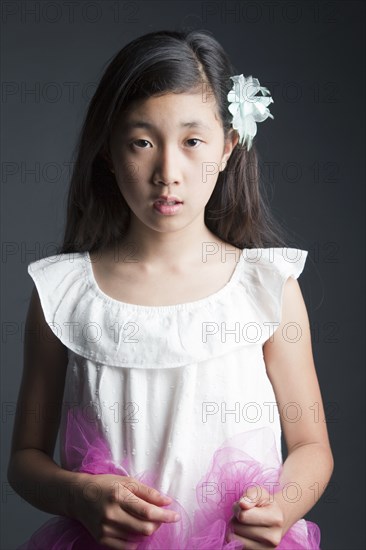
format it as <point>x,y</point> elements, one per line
<point>121,512</point>
<point>32,473</point>
<point>291,370</point>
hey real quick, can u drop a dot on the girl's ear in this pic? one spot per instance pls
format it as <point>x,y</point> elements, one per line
<point>230,142</point>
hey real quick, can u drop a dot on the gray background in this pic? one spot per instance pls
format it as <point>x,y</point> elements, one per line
<point>311,56</point>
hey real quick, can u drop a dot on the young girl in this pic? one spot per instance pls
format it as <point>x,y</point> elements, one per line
<point>169,339</point>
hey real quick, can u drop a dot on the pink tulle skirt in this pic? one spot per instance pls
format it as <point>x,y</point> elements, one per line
<point>231,471</point>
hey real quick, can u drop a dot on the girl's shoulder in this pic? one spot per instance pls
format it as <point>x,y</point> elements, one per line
<point>264,273</point>
<point>279,262</point>
<point>60,283</point>
<point>255,264</point>
<point>103,329</point>
<point>56,275</point>
<point>56,263</point>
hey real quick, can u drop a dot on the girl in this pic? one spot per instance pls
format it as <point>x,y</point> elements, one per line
<point>168,341</point>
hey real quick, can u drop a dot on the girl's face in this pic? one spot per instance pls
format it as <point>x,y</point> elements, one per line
<point>169,145</point>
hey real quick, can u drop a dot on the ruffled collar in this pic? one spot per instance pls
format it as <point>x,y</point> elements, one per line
<point>245,312</point>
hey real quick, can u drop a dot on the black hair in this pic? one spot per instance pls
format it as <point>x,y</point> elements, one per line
<point>154,64</point>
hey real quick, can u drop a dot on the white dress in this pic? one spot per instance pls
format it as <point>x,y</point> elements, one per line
<point>167,385</point>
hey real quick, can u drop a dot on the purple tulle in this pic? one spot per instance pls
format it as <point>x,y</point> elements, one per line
<point>231,471</point>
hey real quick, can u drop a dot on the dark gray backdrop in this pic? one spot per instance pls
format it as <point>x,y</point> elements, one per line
<point>311,56</point>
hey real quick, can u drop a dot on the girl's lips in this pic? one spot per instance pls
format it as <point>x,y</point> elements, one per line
<point>167,209</point>
<point>167,203</point>
<point>168,198</point>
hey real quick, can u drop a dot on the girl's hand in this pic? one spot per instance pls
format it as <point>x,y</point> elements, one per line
<point>119,511</point>
<point>258,520</point>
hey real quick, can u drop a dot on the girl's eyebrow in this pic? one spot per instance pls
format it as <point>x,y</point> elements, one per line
<point>144,124</point>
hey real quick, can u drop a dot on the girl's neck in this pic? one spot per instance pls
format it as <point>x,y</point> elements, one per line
<point>174,248</point>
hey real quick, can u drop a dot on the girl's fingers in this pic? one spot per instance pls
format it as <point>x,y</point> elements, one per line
<point>267,536</point>
<point>135,517</point>
<point>145,502</point>
<point>262,517</point>
<point>254,496</point>
<point>124,524</point>
<point>250,532</point>
<point>116,531</point>
<point>150,494</point>
<point>145,517</point>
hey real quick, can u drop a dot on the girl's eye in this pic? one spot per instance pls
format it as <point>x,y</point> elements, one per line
<point>137,141</point>
<point>141,140</point>
<point>194,139</point>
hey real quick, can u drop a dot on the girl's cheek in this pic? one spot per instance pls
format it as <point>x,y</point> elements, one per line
<point>131,172</point>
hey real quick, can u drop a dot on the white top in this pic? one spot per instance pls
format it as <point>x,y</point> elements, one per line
<point>169,384</point>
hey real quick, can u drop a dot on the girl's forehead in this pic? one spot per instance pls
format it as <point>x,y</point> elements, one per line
<point>197,98</point>
<point>192,110</point>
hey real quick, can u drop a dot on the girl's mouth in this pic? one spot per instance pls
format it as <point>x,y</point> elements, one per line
<point>169,203</point>
<point>167,208</point>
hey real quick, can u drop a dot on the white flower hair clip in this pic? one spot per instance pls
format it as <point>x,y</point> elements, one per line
<point>247,108</point>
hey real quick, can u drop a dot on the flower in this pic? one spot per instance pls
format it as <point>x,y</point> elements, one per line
<point>247,108</point>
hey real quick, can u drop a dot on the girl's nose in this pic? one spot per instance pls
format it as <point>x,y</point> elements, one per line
<point>166,169</point>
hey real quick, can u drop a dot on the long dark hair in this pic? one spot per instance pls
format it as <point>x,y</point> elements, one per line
<point>153,64</point>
